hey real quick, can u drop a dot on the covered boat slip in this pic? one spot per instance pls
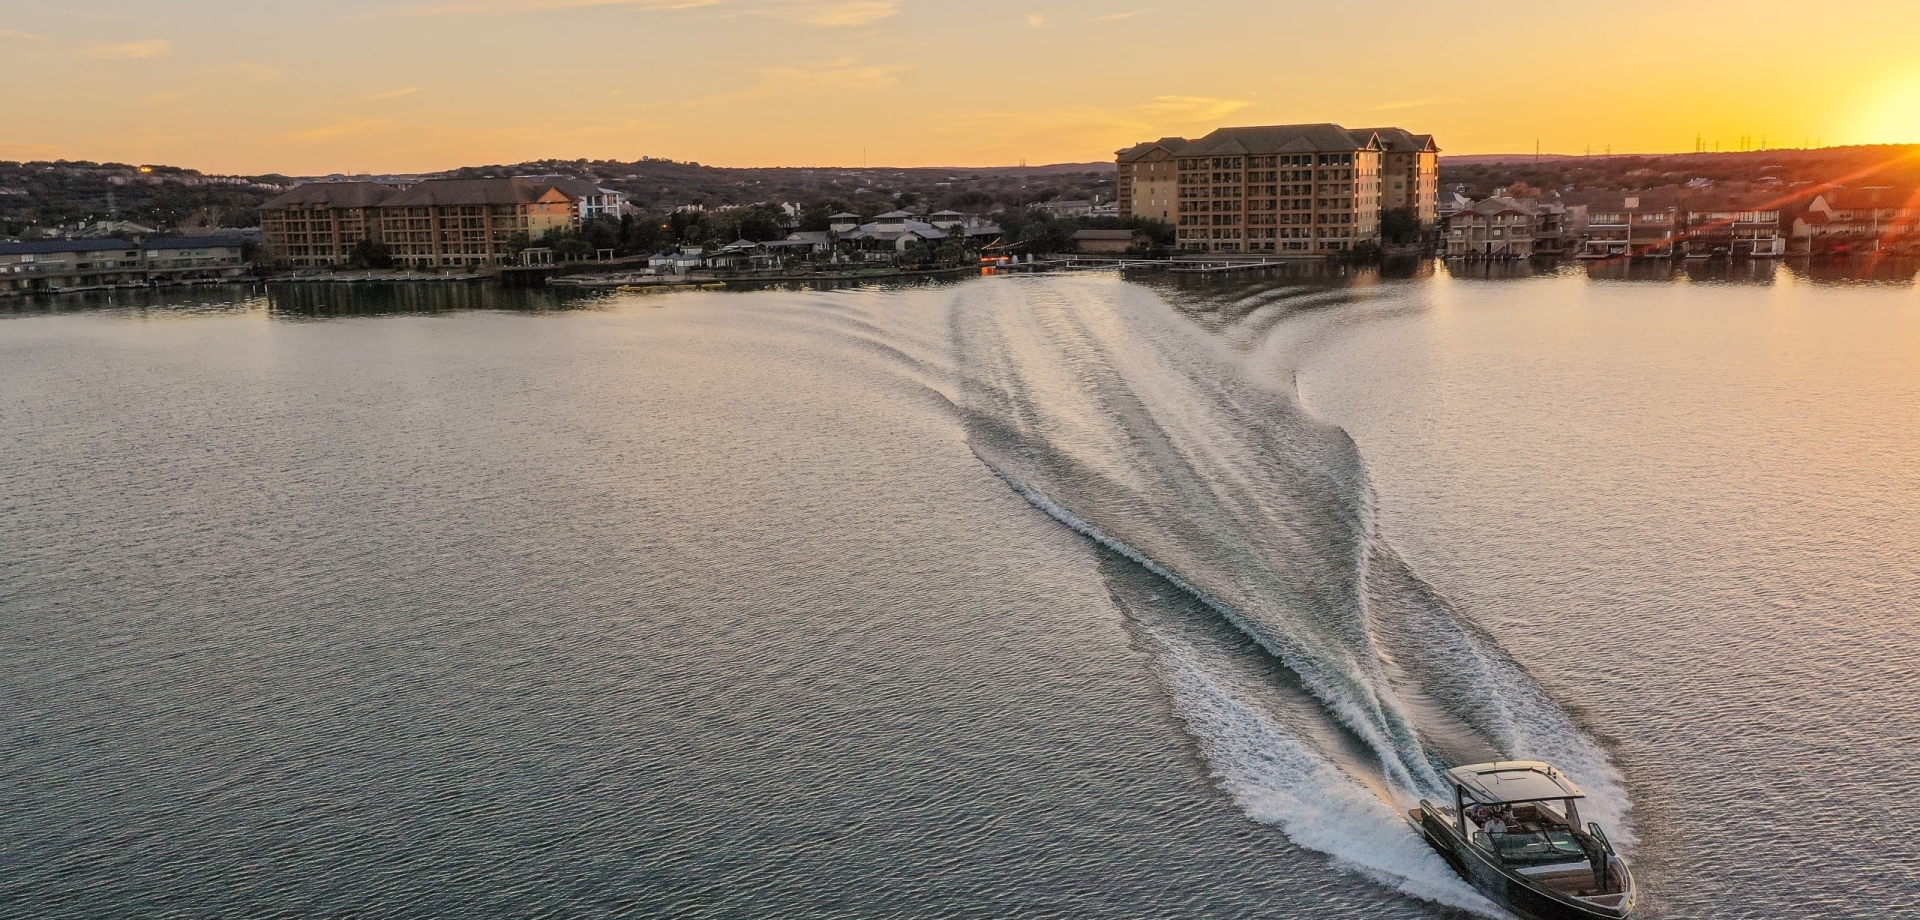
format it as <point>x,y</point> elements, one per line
<point>1514,829</point>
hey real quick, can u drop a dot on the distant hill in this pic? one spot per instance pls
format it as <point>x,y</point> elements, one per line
<point>63,194</point>
<point>1786,170</point>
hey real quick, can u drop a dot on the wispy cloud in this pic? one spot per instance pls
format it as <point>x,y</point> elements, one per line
<point>516,7</point>
<point>151,48</point>
<point>339,129</point>
<point>1036,20</point>
<point>1116,17</point>
<point>392,94</point>
<point>845,73</point>
<point>1414,104</point>
<point>827,12</point>
<point>1000,133</point>
<point>17,35</point>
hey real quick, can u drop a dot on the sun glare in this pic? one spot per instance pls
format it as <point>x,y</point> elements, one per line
<point>1895,117</point>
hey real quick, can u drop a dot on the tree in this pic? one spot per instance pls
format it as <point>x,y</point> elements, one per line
<point>371,254</point>
<point>1400,226</point>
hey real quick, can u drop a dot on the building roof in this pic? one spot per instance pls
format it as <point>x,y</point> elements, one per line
<point>1278,139</point>
<point>446,192</point>
<point>895,215</point>
<point>333,195</point>
<point>1501,204</point>
<point>1169,144</point>
<point>1862,199</point>
<point>53,246</point>
<point>1513,781</point>
<point>573,188</point>
<point>843,214</point>
<point>1399,140</point>
<point>196,242</point>
<point>1103,235</point>
<point>948,214</point>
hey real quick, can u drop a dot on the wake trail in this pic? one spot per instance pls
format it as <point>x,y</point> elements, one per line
<point>1110,411</point>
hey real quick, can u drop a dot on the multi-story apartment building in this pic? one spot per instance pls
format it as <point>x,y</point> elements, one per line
<point>317,225</point>
<point>1409,172</point>
<point>438,223</point>
<point>469,222</point>
<point>1147,187</point>
<point>1284,189</point>
<point>64,265</point>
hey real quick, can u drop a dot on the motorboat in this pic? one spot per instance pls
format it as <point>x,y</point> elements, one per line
<point>1513,831</point>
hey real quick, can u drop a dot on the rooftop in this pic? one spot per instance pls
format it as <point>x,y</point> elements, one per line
<point>53,246</point>
<point>334,195</point>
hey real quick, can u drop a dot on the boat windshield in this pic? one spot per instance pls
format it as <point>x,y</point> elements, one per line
<point>1551,845</point>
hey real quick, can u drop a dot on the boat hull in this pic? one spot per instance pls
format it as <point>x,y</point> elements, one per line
<point>1517,893</point>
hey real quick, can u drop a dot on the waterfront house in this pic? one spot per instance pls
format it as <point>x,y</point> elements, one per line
<point>1496,228</point>
<point>185,259</point>
<point>69,265</point>
<point>1733,225</point>
<point>894,231</point>
<point>1637,223</point>
<point>843,222</point>
<point>1859,220</point>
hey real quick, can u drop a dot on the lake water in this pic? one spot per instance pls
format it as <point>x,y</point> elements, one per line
<point>1052,596</point>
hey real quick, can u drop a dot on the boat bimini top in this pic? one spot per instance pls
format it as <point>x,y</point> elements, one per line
<point>1511,782</point>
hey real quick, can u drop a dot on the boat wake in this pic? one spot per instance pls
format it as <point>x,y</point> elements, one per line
<point>1327,685</point>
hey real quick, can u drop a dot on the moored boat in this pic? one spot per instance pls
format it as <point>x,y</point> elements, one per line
<point>1514,832</point>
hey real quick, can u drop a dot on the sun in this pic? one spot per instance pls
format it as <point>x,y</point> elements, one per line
<point>1894,116</point>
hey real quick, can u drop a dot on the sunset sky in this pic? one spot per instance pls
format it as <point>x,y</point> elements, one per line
<point>412,85</point>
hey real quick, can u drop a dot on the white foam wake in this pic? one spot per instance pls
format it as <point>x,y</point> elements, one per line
<point>1277,780</point>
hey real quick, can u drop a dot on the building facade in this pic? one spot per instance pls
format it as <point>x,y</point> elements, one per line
<point>467,223</point>
<point>1497,228</point>
<point>1860,220</point>
<point>1733,226</point>
<point>188,259</point>
<point>1629,224</point>
<point>1308,190</point>
<point>318,225</point>
<point>1409,173</point>
<point>66,265</point>
<point>1147,186</point>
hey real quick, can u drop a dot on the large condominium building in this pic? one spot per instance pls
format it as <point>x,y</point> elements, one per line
<point>1299,189</point>
<point>318,224</point>
<point>468,222</point>
<point>439,223</point>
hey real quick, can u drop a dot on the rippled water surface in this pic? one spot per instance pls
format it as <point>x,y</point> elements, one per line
<point>1022,597</point>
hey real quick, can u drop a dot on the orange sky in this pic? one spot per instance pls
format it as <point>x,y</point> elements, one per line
<point>414,85</point>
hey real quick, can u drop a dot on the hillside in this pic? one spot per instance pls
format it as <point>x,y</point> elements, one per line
<point>45,195</point>
<point>1789,171</point>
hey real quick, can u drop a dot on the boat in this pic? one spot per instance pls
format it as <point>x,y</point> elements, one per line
<point>1513,831</point>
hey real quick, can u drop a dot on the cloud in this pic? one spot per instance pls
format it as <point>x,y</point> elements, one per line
<point>1116,17</point>
<point>828,12</point>
<point>17,35</point>
<point>1414,104</point>
<point>1004,134</point>
<point>517,7</point>
<point>1036,20</point>
<point>845,73</point>
<point>339,129</point>
<point>392,94</point>
<point>151,48</point>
